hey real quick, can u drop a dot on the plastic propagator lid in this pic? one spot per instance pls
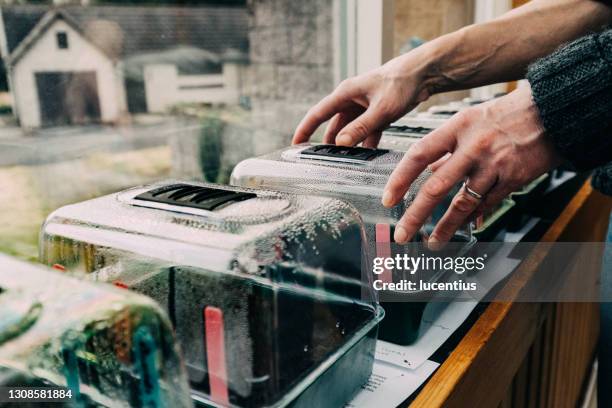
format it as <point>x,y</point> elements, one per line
<point>214,203</point>
<point>267,291</point>
<point>106,346</point>
<point>17,314</point>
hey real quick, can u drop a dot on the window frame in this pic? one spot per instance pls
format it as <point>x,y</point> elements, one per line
<point>363,36</point>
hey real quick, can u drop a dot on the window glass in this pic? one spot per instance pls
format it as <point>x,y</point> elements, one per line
<point>144,91</point>
<point>62,40</point>
<point>418,21</point>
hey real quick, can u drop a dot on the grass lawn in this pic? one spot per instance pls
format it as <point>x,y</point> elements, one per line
<point>30,193</point>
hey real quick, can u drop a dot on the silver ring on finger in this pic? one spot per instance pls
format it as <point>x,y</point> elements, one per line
<point>472,192</point>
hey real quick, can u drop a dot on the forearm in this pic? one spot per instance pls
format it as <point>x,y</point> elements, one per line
<point>501,50</point>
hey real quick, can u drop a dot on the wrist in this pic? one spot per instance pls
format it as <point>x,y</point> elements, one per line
<point>443,63</point>
<point>431,67</point>
<point>518,115</point>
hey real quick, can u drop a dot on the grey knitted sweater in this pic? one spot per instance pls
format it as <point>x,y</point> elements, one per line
<point>572,89</point>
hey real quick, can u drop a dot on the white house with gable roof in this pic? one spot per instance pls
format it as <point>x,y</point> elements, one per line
<point>81,65</point>
<point>58,76</point>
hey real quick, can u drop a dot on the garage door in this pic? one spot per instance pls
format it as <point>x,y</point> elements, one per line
<point>68,98</point>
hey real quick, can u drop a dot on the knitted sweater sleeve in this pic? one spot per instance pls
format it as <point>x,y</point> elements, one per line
<point>572,89</point>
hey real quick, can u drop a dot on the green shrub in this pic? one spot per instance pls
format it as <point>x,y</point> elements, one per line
<point>211,149</point>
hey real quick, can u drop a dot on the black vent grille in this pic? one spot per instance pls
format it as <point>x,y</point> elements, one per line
<point>187,195</point>
<point>343,152</point>
<point>409,129</point>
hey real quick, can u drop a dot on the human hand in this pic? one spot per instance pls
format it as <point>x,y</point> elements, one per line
<point>496,147</point>
<point>361,107</point>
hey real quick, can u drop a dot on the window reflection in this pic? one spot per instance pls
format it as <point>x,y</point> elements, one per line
<point>100,97</point>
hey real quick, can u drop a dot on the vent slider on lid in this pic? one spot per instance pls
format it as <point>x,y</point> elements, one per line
<point>187,195</point>
<point>333,151</point>
<point>419,130</point>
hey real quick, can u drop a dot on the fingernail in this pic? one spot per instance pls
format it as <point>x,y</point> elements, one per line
<point>344,140</point>
<point>401,235</point>
<point>387,199</point>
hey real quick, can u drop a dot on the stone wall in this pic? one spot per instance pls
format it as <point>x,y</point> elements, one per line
<point>291,56</point>
<point>291,65</point>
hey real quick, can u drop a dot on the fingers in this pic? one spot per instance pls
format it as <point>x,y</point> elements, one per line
<point>324,110</point>
<point>339,121</point>
<point>335,125</point>
<point>461,208</point>
<point>438,163</point>
<point>372,140</point>
<point>494,197</point>
<point>363,126</point>
<point>417,158</point>
<point>433,191</point>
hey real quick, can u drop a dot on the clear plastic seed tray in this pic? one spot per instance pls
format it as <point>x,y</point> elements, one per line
<point>264,289</point>
<point>357,175</point>
<point>423,120</point>
<point>108,347</point>
<point>401,138</point>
